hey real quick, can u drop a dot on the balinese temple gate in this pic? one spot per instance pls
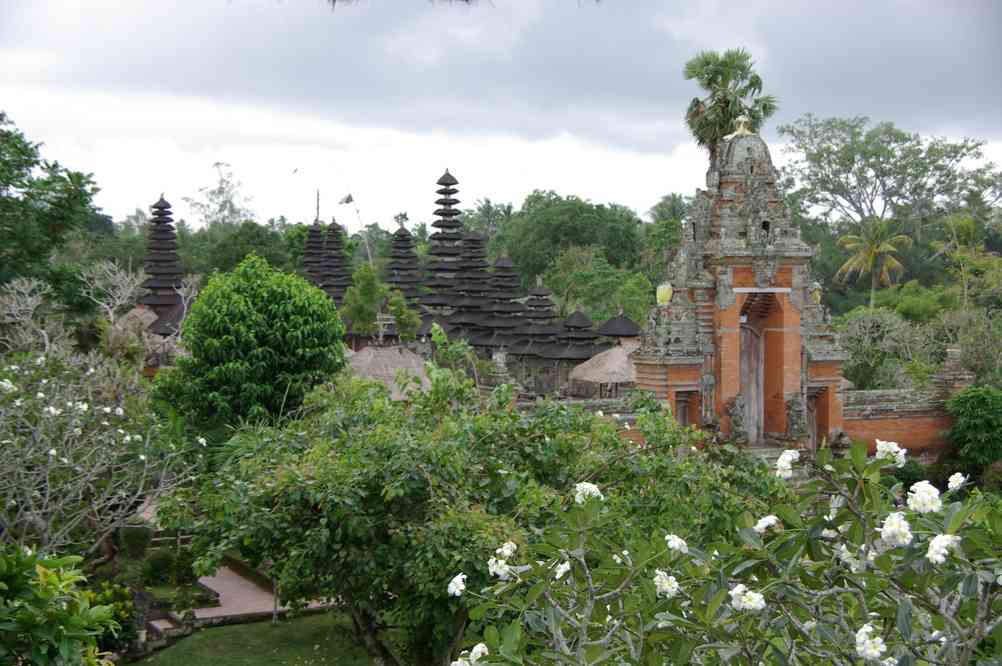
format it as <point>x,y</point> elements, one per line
<point>739,339</point>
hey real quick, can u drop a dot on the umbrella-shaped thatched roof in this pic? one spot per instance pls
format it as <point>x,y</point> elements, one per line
<point>383,364</point>
<point>612,366</point>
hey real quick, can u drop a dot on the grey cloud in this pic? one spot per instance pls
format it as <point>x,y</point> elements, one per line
<point>608,73</point>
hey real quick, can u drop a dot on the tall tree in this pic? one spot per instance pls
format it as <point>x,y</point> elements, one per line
<point>851,170</point>
<point>222,204</point>
<point>872,253</point>
<point>41,202</point>
<point>549,223</point>
<point>490,219</point>
<point>732,88</point>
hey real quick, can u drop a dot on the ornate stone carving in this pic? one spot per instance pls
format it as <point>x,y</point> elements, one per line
<point>736,412</point>
<point>765,271</point>
<point>725,288</point>
<point>796,417</point>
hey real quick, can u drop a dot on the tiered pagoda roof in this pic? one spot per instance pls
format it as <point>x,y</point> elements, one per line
<point>445,247</point>
<point>504,310</point>
<point>403,272</point>
<point>334,275</point>
<point>472,288</point>
<point>619,326</point>
<point>576,342</point>
<point>313,252</point>
<point>162,264</point>
<point>540,327</point>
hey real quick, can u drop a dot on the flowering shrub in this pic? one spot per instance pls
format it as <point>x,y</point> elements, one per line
<point>847,572</point>
<point>45,618</point>
<point>402,509</point>
<point>80,451</point>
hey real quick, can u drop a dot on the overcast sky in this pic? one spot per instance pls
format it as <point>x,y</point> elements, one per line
<point>378,97</point>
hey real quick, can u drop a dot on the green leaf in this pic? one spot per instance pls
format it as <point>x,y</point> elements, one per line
<point>492,639</point>
<point>904,618</point>
<point>858,454</point>
<point>711,608</point>
<point>478,612</point>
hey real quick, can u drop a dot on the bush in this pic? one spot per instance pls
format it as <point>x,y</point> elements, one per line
<point>135,539</point>
<point>45,617</point>
<point>119,599</point>
<point>991,478</point>
<point>259,339</point>
<point>159,566</point>
<point>977,426</point>
<point>911,472</point>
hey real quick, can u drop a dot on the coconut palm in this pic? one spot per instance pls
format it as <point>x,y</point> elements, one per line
<point>734,89</point>
<point>872,252</point>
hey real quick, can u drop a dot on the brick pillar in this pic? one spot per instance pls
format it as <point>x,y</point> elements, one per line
<point>728,370</point>
<point>783,345</point>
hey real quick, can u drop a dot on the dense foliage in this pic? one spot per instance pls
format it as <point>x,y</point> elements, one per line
<point>977,426</point>
<point>373,501</point>
<point>258,341</point>
<point>46,617</point>
<point>847,572</point>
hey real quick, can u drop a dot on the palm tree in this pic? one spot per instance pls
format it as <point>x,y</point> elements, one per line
<point>734,89</point>
<point>872,252</point>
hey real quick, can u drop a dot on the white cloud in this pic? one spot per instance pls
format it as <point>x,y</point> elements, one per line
<point>138,146</point>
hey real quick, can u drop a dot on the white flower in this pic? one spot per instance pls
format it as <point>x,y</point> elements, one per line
<point>765,523</point>
<point>457,585</point>
<point>201,440</point>
<point>599,413</point>
<point>13,368</point>
<point>889,661</point>
<point>955,481</point>
<point>81,407</point>
<point>891,451</point>
<point>479,650</point>
<point>666,585</point>
<point>810,625</point>
<point>105,423</point>
<point>940,547</point>
<point>18,402</point>
<point>40,360</point>
<point>142,457</point>
<point>52,452</point>
<point>924,498</point>
<point>829,534</point>
<point>7,386</point>
<point>677,543</point>
<point>499,568</point>
<point>869,647</point>
<point>64,461</point>
<point>896,531</point>
<point>106,410</point>
<point>617,559</point>
<point>847,558</point>
<point>52,411</point>
<point>584,490</point>
<point>561,570</point>
<point>506,551</point>
<point>119,411</point>
<point>784,465</point>
<point>744,599</point>
<point>127,439</point>
<point>40,395</point>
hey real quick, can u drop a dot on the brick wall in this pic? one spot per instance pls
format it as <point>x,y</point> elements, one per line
<point>916,420</point>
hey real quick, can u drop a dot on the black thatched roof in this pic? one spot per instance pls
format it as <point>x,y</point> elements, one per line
<point>578,319</point>
<point>162,263</point>
<point>619,326</point>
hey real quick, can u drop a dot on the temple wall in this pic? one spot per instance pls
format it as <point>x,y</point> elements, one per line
<point>916,420</point>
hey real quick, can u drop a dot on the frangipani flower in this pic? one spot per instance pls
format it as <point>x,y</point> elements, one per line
<point>868,646</point>
<point>940,546</point>
<point>744,599</point>
<point>584,490</point>
<point>924,498</point>
<point>457,585</point>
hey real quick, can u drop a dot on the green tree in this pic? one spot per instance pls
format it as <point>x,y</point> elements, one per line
<point>41,203</point>
<point>852,170</point>
<point>548,223</point>
<point>258,340</point>
<point>46,618</point>
<point>580,277</point>
<point>491,220</point>
<point>872,252</point>
<point>368,298</point>
<point>732,88</point>
<point>233,246</point>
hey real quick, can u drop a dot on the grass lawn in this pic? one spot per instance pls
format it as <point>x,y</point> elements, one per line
<point>313,640</point>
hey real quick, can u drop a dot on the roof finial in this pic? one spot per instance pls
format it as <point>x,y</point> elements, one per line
<point>741,128</point>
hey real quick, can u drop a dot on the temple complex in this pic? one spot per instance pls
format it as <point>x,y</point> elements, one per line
<point>739,339</point>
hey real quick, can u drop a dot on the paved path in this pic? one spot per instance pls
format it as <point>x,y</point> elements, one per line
<point>237,595</point>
